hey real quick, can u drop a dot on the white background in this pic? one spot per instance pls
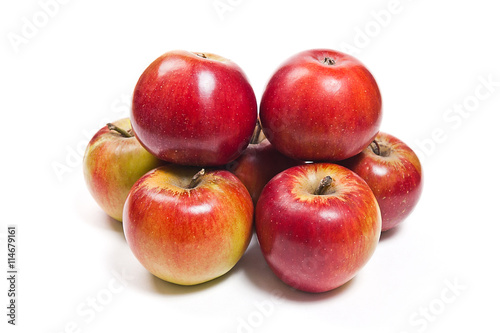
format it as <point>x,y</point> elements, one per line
<point>76,70</point>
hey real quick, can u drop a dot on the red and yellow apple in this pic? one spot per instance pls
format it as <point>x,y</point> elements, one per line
<point>394,173</point>
<point>317,225</point>
<point>188,226</point>
<point>321,105</point>
<point>113,161</point>
<point>194,109</point>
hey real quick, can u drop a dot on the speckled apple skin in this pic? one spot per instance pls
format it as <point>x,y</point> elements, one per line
<point>396,179</point>
<point>316,243</point>
<point>187,235</point>
<point>112,164</point>
<point>313,110</point>
<point>194,109</point>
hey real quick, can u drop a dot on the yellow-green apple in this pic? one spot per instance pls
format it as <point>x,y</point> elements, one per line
<point>321,105</point>
<point>188,227</point>
<point>317,224</point>
<point>113,161</point>
<point>194,108</point>
<point>259,163</point>
<point>394,173</point>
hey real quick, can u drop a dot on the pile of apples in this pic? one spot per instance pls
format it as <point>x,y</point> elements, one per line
<point>197,168</point>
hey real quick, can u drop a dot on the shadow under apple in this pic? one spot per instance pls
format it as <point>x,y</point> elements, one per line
<point>390,234</point>
<point>162,287</point>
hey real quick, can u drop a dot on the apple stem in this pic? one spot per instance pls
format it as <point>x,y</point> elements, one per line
<point>323,185</point>
<point>329,61</point>
<point>256,133</point>
<point>202,55</point>
<point>375,147</point>
<point>122,132</point>
<point>196,179</point>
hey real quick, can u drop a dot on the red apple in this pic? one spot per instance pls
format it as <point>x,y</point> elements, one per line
<point>317,225</point>
<point>321,105</point>
<point>393,172</point>
<point>194,109</point>
<point>188,227</point>
<point>113,161</point>
<point>259,163</point>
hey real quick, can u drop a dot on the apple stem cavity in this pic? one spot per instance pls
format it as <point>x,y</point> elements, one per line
<point>375,147</point>
<point>122,132</point>
<point>329,61</point>
<point>196,179</point>
<point>380,150</point>
<point>323,185</point>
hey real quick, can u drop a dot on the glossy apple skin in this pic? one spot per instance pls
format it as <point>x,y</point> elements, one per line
<point>112,164</point>
<point>188,236</point>
<point>396,179</point>
<point>258,164</point>
<point>319,112</point>
<point>191,110</point>
<point>316,243</point>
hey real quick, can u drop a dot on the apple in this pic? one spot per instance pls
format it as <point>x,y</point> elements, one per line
<point>317,224</point>
<point>259,163</point>
<point>188,227</point>
<point>113,161</point>
<point>394,173</point>
<point>193,108</point>
<point>321,105</point>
